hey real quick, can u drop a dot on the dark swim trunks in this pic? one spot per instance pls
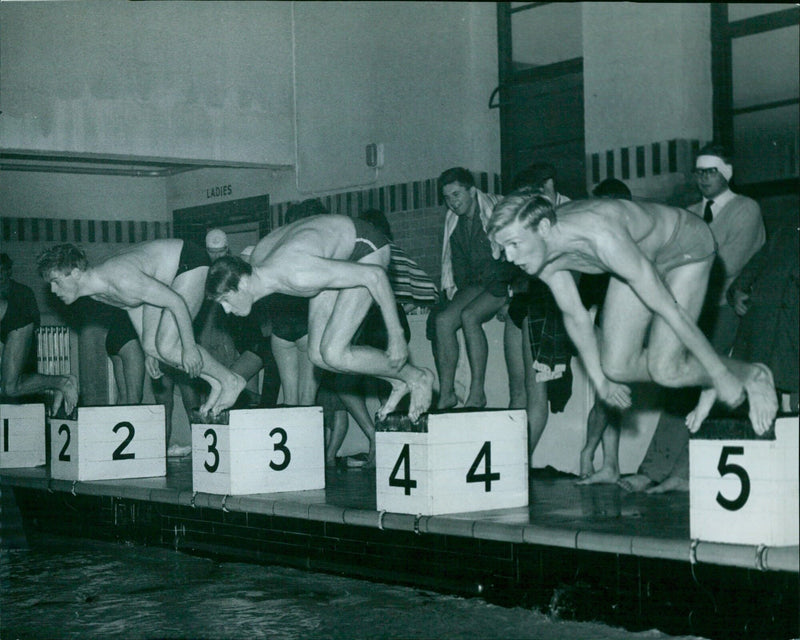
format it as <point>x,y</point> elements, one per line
<point>368,240</point>
<point>289,316</point>
<point>691,241</point>
<point>120,333</point>
<point>192,257</point>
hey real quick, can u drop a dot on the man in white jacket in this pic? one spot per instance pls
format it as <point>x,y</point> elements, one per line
<point>473,282</point>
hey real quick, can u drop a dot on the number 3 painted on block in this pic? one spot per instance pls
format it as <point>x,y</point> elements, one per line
<point>724,467</point>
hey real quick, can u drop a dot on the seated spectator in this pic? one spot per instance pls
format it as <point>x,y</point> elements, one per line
<point>19,318</point>
<point>474,284</point>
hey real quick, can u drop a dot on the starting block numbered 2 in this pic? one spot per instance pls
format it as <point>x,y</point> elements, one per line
<point>105,443</point>
<point>23,432</point>
<point>259,451</point>
<point>452,462</point>
<point>744,489</point>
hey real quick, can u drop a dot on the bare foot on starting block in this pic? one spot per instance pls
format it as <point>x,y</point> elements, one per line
<point>604,476</point>
<point>698,415</point>
<point>70,393</point>
<point>231,388</point>
<point>213,395</point>
<point>421,384</point>
<point>634,483</point>
<point>399,391</point>
<point>58,398</point>
<point>476,401</point>
<point>447,400</point>
<point>672,483</point>
<point>762,398</point>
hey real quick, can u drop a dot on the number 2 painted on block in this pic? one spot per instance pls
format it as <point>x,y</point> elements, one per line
<point>118,452</point>
<point>724,467</point>
<point>63,456</point>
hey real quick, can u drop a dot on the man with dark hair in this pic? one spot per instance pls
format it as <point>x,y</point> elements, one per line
<point>147,280</point>
<point>474,284</point>
<point>660,258</point>
<point>340,264</point>
<point>19,317</point>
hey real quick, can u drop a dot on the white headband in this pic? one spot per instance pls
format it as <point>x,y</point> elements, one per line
<point>708,162</point>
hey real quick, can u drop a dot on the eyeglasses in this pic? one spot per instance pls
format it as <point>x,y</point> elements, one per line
<point>705,173</point>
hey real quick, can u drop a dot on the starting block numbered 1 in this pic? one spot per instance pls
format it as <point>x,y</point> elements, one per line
<point>259,451</point>
<point>106,443</point>
<point>744,489</point>
<point>452,462</point>
<point>23,435</point>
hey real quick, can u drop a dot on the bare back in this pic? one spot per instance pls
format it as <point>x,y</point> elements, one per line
<point>291,254</point>
<point>120,273</point>
<point>592,233</point>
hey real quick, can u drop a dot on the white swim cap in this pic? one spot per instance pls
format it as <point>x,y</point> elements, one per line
<point>216,240</point>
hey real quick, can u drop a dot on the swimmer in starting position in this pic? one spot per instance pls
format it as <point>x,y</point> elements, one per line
<point>659,258</point>
<point>340,263</point>
<point>160,285</point>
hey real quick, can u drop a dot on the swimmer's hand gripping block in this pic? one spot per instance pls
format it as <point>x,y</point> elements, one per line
<point>107,443</point>
<point>452,462</point>
<point>247,451</point>
<point>22,435</point>
<point>743,489</point>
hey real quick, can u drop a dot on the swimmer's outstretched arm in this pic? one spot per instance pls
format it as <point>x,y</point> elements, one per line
<point>580,327</point>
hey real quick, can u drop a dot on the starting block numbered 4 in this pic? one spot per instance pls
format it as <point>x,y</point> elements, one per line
<point>105,443</point>
<point>744,489</point>
<point>23,435</point>
<point>259,451</point>
<point>452,462</point>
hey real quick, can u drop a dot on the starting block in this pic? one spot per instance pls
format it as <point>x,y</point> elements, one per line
<point>247,451</point>
<point>106,443</point>
<point>452,462</point>
<point>743,489</point>
<point>22,435</point>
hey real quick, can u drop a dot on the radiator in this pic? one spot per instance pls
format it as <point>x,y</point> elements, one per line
<point>52,350</point>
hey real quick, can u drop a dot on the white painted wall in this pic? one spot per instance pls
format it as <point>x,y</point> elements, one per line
<point>647,73</point>
<point>72,196</point>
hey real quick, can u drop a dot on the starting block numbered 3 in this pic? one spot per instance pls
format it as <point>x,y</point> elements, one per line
<point>105,443</point>
<point>22,435</point>
<point>452,462</point>
<point>744,489</point>
<point>259,451</point>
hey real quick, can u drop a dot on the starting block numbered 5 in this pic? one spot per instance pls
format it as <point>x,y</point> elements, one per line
<point>259,451</point>
<point>744,489</point>
<point>452,462</point>
<point>22,435</point>
<point>105,443</point>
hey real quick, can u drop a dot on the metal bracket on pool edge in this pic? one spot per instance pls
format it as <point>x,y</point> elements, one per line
<point>693,551</point>
<point>417,518</point>
<point>224,500</point>
<point>72,490</point>
<point>192,504</point>
<point>761,551</point>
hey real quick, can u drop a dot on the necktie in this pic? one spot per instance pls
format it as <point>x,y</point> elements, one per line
<point>707,215</point>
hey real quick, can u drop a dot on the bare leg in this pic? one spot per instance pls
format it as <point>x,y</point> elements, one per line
<point>132,360</point>
<point>336,437</point>
<point>448,322</point>
<point>357,408</point>
<point>334,317</point>
<point>602,424</point>
<point>512,349</point>
<point>536,403</point>
<point>480,310</point>
<point>287,359</point>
